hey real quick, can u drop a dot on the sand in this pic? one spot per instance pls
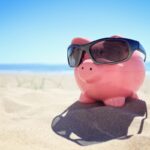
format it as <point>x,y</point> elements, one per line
<point>41,112</point>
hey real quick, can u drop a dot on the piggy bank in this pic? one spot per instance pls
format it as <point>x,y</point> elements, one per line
<point>109,83</point>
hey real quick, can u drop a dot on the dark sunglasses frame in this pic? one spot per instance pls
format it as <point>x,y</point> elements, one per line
<point>133,45</point>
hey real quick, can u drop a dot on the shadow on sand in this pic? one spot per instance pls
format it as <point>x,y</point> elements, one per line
<point>87,124</point>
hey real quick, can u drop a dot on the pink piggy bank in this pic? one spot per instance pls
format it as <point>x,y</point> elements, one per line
<point>107,71</point>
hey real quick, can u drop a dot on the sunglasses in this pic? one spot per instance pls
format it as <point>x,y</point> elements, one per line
<point>104,51</point>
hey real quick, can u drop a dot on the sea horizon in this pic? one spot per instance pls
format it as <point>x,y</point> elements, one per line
<point>34,68</point>
<point>42,68</point>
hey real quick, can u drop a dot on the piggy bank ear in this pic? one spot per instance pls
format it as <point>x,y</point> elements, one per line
<point>116,36</point>
<point>79,41</point>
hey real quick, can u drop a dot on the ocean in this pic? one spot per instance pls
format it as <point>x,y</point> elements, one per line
<point>42,68</point>
<point>35,68</point>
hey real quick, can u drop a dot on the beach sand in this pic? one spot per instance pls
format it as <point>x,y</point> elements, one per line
<point>41,112</point>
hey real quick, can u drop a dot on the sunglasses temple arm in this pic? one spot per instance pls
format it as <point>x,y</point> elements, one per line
<point>141,49</point>
<point>145,57</point>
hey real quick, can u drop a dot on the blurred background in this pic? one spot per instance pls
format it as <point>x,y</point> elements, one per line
<point>35,34</point>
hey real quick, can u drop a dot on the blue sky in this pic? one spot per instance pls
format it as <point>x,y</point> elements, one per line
<point>39,31</point>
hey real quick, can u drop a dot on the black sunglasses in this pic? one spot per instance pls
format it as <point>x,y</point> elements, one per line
<point>104,51</point>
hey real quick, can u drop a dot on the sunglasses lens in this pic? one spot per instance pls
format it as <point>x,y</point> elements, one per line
<point>110,51</point>
<point>73,55</point>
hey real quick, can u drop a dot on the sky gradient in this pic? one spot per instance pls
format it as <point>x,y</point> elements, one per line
<point>39,31</point>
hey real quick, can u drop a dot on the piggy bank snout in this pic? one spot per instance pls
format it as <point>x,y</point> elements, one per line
<point>87,70</point>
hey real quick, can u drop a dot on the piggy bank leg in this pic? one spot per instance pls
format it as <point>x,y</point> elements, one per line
<point>115,101</point>
<point>84,98</point>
